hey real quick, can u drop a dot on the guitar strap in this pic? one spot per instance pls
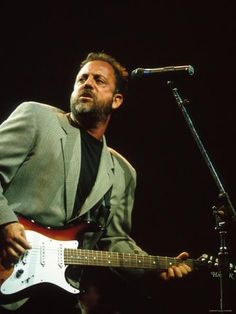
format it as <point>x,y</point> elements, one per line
<point>102,216</point>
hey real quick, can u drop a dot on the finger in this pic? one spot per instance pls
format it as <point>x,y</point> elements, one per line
<point>12,253</point>
<point>177,271</point>
<point>18,248</point>
<point>183,269</point>
<point>187,268</point>
<point>22,241</point>
<point>168,274</point>
<point>22,238</point>
<point>164,276</point>
<point>183,255</point>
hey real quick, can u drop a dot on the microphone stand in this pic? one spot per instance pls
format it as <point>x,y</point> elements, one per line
<point>223,213</point>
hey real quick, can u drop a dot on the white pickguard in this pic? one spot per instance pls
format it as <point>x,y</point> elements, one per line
<point>44,263</point>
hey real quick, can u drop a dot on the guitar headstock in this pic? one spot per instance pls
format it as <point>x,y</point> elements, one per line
<point>212,263</point>
<point>208,260</point>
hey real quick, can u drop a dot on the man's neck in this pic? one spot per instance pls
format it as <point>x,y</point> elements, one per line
<point>97,131</point>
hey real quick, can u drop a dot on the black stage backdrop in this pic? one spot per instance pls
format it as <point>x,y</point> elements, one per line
<point>41,46</point>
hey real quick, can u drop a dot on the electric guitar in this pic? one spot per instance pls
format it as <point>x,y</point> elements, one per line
<point>53,250</point>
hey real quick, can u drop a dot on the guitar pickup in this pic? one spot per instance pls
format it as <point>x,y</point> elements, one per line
<point>42,254</point>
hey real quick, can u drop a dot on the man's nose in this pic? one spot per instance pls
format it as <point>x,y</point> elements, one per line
<point>89,82</point>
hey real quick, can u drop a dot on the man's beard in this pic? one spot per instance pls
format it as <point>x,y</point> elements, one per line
<point>90,113</point>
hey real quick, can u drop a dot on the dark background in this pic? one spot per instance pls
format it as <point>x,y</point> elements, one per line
<point>42,45</point>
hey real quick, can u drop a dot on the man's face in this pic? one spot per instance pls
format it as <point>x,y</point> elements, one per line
<point>93,94</point>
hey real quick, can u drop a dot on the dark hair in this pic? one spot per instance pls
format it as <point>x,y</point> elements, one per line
<point>121,73</point>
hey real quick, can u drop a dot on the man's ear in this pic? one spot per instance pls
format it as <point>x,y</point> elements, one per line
<point>117,101</point>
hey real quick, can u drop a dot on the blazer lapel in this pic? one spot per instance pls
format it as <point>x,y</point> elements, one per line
<point>71,144</point>
<point>103,182</point>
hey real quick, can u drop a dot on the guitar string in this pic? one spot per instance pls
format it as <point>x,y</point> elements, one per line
<point>93,257</point>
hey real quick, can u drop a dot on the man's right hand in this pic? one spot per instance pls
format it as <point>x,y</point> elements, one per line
<point>13,242</point>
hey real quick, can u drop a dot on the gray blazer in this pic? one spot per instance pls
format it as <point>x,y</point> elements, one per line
<point>40,160</point>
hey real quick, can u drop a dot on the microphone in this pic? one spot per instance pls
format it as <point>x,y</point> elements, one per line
<point>139,72</point>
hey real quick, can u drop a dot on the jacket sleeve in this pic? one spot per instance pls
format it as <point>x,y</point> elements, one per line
<point>16,139</point>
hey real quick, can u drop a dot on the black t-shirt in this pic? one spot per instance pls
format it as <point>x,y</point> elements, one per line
<point>91,149</point>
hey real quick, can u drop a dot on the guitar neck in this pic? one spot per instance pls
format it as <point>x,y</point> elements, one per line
<point>117,259</point>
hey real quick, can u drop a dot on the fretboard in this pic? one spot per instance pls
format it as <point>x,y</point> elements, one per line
<point>117,259</point>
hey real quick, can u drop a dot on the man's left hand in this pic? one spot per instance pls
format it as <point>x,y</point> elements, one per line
<point>178,271</point>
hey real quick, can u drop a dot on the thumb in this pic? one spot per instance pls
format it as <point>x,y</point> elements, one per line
<point>183,255</point>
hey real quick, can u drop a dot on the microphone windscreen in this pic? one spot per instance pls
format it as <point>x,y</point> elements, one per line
<point>137,73</point>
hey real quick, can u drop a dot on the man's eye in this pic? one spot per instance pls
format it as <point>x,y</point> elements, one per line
<point>81,80</point>
<point>100,81</point>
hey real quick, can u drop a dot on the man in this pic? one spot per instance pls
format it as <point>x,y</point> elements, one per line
<point>56,169</point>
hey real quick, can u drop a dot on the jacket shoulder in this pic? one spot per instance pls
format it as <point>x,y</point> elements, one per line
<point>41,114</point>
<point>122,160</point>
<point>38,106</point>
